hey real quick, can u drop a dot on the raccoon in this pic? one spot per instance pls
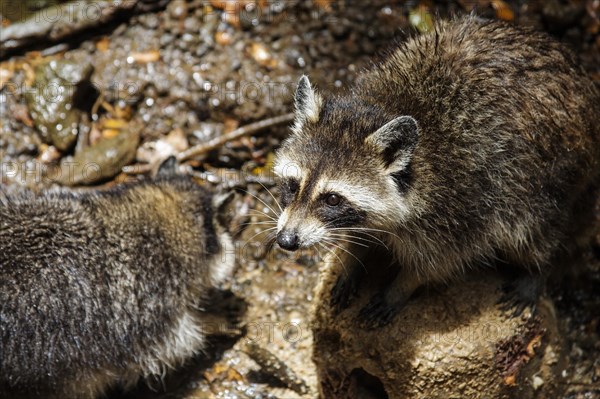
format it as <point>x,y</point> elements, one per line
<point>473,144</point>
<point>98,289</point>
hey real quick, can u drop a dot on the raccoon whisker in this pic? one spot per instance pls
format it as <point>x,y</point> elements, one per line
<point>264,203</point>
<point>336,255</point>
<point>263,222</point>
<point>261,213</point>
<point>360,237</point>
<point>272,196</point>
<point>259,233</point>
<point>260,225</point>
<point>343,238</point>
<point>331,242</point>
<point>367,229</point>
<point>270,242</point>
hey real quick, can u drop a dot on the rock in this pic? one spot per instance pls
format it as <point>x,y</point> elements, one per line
<point>449,343</point>
<point>51,100</point>
<point>101,161</point>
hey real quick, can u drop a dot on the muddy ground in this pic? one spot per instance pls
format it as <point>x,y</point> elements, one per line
<point>102,98</point>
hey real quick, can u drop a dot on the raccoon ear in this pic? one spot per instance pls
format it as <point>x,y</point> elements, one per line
<point>168,167</point>
<point>308,102</point>
<point>221,200</point>
<point>396,140</point>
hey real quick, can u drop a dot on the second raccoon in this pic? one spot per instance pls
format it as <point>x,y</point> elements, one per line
<point>99,289</point>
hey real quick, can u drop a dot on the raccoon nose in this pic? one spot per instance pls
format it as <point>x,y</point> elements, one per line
<point>288,240</point>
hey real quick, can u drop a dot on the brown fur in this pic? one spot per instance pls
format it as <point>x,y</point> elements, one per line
<point>99,289</point>
<point>495,157</point>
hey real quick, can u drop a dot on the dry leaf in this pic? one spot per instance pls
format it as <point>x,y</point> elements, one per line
<point>503,10</point>
<point>144,58</point>
<point>232,9</point>
<point>234,375</point>
<point>534,343</point>
<point>324,5</point>
<point>262,55</point>
<point>103,44</point>
<point>510,380</point>
<point>223,38</point>
<point>48,154</point>
<point>21,114</point>
<point>123,112</point>
<point>109,133</point>
<point>114,124</point>
<point>231,4</point>
<point>5,75</point>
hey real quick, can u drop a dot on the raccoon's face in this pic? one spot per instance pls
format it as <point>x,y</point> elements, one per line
<point>345,169</point>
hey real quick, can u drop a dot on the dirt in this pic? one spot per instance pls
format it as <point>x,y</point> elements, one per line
<point>192,70</point>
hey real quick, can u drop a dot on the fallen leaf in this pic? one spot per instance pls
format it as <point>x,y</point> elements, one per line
<point>114,124</point>
<point>109,133</point>
<point>324,5</point>
<point>5,76</point>
<point>21,114</point>
<point>48,154</point>
<point>510,380</point>
<point>230,4</point>
<point>234,375</point>
<point>123,112</point>
<point>103,44</point>
<point>533,344</point>
<point>503,10</point>
<point>233,8</point>
<point>262,55</point>
<point>143,58</point>
<point>223,38</point>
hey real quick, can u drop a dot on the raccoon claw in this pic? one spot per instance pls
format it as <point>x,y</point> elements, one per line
<point>343,291</point>
<point>377,313</point>
<point>519,295</point>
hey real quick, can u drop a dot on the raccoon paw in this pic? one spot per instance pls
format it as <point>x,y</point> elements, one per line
<point>520,294</point>
<point>378,313</point>
<point>343,292</point>
<point>226,304</point>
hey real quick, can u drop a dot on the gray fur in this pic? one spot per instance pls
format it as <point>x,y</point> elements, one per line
<point>101,288</point>
<point>508,149</point>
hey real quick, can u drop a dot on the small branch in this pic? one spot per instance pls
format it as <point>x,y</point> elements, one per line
<point>215,143</point>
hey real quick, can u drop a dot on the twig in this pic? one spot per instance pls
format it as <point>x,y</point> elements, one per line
<point>215,143</point>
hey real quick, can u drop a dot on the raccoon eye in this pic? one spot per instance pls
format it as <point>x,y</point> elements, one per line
<point>333,200</point>
<point>293,186</point>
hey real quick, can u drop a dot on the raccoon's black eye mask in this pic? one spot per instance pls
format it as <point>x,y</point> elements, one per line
<point>288,187</point>
<point>337,211</point>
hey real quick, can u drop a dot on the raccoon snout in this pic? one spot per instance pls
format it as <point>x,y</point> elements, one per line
<point>288,239</point>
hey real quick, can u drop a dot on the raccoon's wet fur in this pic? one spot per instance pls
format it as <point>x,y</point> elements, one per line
<point>475,142</point>
<point>98,289</point>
